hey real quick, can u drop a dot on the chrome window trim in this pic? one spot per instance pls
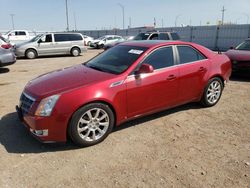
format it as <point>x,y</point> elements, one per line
<point>178,57</point>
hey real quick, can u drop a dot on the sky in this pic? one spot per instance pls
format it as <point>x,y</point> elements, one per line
<point>50,15</point>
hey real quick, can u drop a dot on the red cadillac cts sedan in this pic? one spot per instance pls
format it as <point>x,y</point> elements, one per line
<point>127,81</point>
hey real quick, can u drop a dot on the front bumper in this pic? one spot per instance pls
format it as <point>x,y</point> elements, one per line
<point>93,45</point>
<point>44,129</point>
<point>20,52</point>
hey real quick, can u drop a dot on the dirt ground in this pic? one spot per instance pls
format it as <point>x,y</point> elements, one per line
<point>188,146</point>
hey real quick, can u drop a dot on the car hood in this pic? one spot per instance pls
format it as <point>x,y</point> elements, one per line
<point>238,55</point>
<point>63,80</point>
<point>19,45</point>
<point>96,41</point>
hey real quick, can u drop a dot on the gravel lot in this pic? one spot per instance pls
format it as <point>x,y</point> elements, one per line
<point>188,146</point>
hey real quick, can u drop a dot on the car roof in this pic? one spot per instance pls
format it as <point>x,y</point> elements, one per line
<point>153,43</point>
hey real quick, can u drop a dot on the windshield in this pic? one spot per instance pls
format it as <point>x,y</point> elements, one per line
<point>7,33</point>
<point>142,36</point>
<point>117,59</point>
<point>36,38</point>
<point>101,38</point>
<point>244,46</point>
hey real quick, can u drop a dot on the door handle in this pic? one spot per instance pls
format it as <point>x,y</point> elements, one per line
<point>171,77</point>
<point>202,69</point>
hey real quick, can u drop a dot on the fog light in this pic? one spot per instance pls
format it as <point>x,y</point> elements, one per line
<point>44,132</point>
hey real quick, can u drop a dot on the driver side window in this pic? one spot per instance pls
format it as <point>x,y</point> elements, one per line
<point>46,38</point>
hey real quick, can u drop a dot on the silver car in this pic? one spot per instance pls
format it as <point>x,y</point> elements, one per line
<point>7,55</point>
<point>52,44</point>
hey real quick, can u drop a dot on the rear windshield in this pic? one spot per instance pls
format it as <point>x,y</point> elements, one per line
<point>117,59</point>
<point>244,46</point>
<point>142,36</point>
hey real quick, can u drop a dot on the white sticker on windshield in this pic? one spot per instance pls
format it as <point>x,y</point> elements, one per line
<point>133,51</point>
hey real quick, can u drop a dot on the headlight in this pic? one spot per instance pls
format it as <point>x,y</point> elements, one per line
<point>46,106</point>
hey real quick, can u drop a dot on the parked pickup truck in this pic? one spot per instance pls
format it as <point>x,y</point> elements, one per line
<point>17,36</point>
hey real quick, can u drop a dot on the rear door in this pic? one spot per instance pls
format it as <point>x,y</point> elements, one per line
<point>153,91</point>
<point>193,72</point>
<point>62,43</point>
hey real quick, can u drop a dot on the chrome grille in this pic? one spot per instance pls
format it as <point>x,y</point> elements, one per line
<point>26,103</point>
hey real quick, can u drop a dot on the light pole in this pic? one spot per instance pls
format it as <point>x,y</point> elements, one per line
<point>122,7</point>
<point>67,16</point>
<point>12,21</point>
<point>176,18</point>
<point>222,19</point>
<point>75,21</point>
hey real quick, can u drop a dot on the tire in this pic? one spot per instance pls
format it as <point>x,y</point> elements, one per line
<point>31,54</point>
<point>88,44</point>
<point>212,92</point>
<point>75,51</point>
<point>91,124</point>
<point>100,46</point>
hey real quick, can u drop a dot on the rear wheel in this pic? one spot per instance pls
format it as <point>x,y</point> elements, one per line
<point>91,124</point>
<point>30,54</point>
<point>75,51</point>
<point>212,92</point>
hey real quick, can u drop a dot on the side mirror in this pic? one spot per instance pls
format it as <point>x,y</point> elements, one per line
<point>39,41</point>
<point>145,68</point>
<point>231,48</point>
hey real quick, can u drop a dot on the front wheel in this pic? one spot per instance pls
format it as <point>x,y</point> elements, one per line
<point>212,92</point>
<point>91,124</point>
<point>31,54</point>
<point>75,52</point>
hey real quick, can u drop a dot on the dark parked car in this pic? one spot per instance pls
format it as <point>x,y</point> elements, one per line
<point>156,35</point>
<point>132,79</point>
<point>240,56</point>
<point>151,35</point>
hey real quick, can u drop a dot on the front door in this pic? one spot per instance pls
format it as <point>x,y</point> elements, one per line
<point>152,91</point>
<point>45,45</point>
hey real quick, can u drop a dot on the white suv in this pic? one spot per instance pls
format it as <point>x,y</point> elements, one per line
<point>107,39</point>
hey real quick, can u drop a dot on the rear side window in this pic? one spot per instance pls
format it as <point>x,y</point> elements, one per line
<point>67,37</point>
<point>74,37</point>
<point>61,37</point>
<point>161,58</point>
<point>163,36</point>
<point>187,54</point>
<point>175,36</point>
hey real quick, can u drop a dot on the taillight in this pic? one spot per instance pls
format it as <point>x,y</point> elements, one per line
<point>6,46</point>
<point>85,43</point>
